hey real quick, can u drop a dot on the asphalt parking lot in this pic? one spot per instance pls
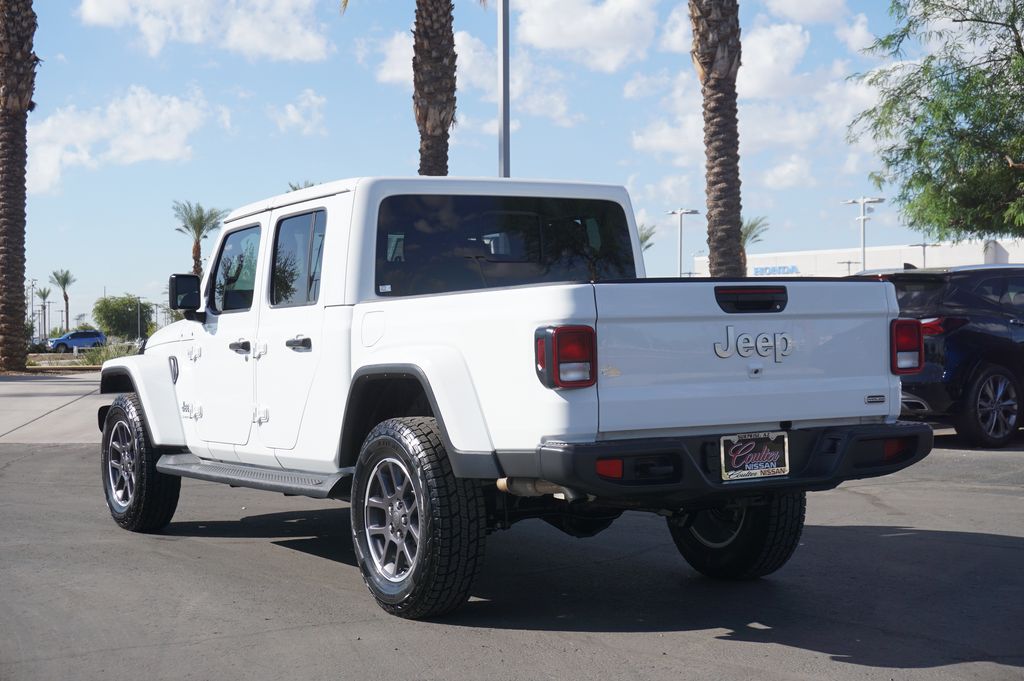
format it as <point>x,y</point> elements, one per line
<point>914,576</point>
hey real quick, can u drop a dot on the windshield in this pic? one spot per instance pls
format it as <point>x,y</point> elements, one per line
<point>441,243</point>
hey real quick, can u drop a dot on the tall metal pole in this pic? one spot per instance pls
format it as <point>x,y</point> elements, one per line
<point>863,225</point>
<point>33,305</point>
<point>680,268</point>
<point>503,120</point>
<point>138,302</point>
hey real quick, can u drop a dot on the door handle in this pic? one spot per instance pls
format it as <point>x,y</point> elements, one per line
<point>299,343</point>
<point>241,346</point>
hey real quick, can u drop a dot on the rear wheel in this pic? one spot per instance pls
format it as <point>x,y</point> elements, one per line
<point>741,542</point>
<point>140,498</point>
<point>418,531</point>
<point>991,410</point>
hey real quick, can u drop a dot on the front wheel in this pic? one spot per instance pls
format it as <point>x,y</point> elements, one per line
<point>741,542</point>
<point>61,348</point>
<point>418,531</point>
<point>991,409</point>
<point>140,498</point>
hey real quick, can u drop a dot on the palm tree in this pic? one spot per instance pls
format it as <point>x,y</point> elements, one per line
<point>296,186</point>
<point>750,233</point>
<point>17,84</point>
<point>716,58</point>
<point>646,234</point>
<point>433,81</point>
<point>62,279</point>
<point>198,223</point>
<point>43,294</point>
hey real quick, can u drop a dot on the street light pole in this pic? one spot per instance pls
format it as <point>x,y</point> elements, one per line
<point>863,218</point>
<point>924,255</point>
<point>848,263</point>
<point>503,98</point>
<point>681,212</point>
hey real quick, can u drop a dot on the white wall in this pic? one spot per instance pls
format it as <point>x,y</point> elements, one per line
<point>832,262</point>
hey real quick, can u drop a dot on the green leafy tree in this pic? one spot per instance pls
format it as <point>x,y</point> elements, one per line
<point>63,279</point>
<point>751,232</point>
<point>646,234</point>
<point>198,223</point>
<point>716,58</point>
<point>119,315</point>
<point>43,294</point>
<point>17,84</point>
<point>950,124</point>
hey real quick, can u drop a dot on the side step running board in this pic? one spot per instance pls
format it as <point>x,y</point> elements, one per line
<point>299,483</point>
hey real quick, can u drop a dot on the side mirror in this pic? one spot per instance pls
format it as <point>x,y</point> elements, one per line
<point>183,292</point>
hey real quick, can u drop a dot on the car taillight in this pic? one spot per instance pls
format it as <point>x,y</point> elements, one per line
<point>934,326</point>
<point>907,344</point>
<point>566,356</point>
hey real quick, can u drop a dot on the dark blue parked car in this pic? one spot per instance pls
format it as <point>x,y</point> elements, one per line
<point>973,323</point>
<point>76,339</point>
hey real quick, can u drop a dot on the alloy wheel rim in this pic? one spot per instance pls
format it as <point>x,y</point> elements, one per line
<point>121,465</point>
<point>716,528</point>
<point>997,406</point>
<point>391,519</point>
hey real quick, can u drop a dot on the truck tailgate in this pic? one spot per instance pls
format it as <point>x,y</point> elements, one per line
<point>670,357</point>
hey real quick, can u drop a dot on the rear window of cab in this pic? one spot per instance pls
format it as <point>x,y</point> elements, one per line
<point>428,243</point>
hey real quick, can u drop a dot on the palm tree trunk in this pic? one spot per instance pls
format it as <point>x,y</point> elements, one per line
<point>17,83</point>
<point>197,258</point>
<point>67,313</point>
<point>13,351</point>
<point>433,67</point>
<point>716,58</point>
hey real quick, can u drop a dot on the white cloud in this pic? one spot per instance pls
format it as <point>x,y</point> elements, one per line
<point>677,34</point>
<point>682,136</point>
<point>646,85</point>
<point>601,35</point>
<point>767,125</point>
<point>770,57</point>
<point>285,30</point>
<point>490,127</point>
<point>855,35</point>
<point>808,11</point>
<point>671,191</point>
<point>795,171</point>
<point>306,114</point>
<point>141,126</point>
<point>535,90</point>
<point>396,67</point>
<point>224,118</point>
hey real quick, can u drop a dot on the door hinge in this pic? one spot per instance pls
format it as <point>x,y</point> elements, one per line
<point>260,415</point>
<point>195,352</point>
<point>260,350</point>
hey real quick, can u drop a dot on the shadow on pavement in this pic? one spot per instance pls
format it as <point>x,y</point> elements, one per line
<point>869,595</point>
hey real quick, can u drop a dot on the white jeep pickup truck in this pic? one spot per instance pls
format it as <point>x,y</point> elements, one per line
<point>453,356</point>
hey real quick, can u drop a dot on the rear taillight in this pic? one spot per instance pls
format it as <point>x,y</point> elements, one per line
<point>566,356</point>
<point>934,326</point>
<point>907,344</point>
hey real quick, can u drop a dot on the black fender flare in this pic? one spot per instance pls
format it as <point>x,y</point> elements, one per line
<point>465,464</point>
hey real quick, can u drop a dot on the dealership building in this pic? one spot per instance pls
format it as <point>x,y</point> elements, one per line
<point>838,262</point>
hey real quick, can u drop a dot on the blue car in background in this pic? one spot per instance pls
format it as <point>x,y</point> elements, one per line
<point>76,339</point>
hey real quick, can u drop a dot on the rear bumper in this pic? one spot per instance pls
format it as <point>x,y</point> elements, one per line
<point>685,472</point>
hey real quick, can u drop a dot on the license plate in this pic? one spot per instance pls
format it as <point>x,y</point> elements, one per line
<point>749,456</point>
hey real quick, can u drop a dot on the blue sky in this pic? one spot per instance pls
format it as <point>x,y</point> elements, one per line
<point>142,102</point>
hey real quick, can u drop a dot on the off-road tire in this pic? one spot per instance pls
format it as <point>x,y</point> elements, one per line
<point>451,522</point>
<point>765,539</point>
<point>155,495</point>
<point>972,425</point>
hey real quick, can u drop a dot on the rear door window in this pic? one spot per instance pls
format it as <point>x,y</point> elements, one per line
<point>442,243</point>
<point>298,258</point>
<point>919,293</point>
